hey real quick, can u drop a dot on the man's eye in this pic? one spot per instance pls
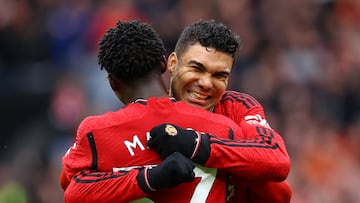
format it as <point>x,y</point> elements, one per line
<point>196,68</point>
<point>221,77</point>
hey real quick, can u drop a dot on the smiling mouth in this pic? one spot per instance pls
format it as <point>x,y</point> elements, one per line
<point>198,96</point>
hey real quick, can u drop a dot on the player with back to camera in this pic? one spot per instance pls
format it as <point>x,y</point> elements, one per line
<point>109,161</point>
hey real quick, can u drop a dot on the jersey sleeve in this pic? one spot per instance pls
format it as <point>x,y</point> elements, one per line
<point>79,156</point>
<point>256,153</point>
<point>82,182</point>
<point>94,186</point>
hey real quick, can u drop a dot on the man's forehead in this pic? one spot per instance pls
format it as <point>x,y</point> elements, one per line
<point>215,67</point>
<point>207,57</point>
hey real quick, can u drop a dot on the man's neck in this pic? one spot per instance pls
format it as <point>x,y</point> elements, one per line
<point>147,89</point>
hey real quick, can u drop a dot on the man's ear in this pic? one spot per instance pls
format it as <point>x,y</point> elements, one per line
<point>113,83</point>
<point>171,63</point>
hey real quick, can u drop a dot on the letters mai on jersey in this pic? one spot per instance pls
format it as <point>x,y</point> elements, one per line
<point>135,142</point>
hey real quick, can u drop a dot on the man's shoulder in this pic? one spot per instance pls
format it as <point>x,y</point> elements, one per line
<point>239,99</point>
<point>107,119</point>
<point>236,105</point>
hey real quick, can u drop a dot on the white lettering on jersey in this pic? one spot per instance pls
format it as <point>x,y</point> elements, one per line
<point>257,120</point>
<point>130,145</point>
<point>202,190</point>
<point>148,136</point>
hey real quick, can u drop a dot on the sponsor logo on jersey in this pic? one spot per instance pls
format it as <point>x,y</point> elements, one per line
<point>257,120</point>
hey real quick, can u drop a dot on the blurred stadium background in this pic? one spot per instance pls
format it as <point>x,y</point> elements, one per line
<point>299,58</point>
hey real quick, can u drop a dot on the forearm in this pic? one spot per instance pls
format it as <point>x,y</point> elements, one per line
<point>261,156</point>
<point>93,186</point>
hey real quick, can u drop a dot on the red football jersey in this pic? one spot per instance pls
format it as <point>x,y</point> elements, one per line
<point>108,147</point>
<point>115,143</point>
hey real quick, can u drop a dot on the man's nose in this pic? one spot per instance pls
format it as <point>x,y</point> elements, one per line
<point>205,81</point>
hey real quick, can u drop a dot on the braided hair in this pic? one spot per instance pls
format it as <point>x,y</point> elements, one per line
<point>131,50</point>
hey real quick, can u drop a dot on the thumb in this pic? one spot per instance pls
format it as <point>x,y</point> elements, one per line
<point>153,142</point>
<point>155,133</point>
<point>158,130</point>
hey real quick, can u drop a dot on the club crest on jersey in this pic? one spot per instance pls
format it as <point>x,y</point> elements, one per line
<point>171,130</point>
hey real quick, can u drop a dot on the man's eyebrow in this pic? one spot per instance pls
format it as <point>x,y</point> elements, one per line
<point>221,72</point>
<point>196,63</point>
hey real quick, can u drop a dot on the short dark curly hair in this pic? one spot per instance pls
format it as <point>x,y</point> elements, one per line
<point>131,50</point>
<point>208,33</point>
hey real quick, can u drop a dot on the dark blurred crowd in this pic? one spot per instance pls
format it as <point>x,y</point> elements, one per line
<point>299,58</point>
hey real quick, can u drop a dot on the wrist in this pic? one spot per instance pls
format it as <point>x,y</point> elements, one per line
<point>143,180</point>
<point>202,149</point>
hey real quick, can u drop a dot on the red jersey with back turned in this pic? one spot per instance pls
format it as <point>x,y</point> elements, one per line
<point>103,163</point>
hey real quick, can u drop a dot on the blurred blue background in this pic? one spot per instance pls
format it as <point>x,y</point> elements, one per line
<point>299,58</point>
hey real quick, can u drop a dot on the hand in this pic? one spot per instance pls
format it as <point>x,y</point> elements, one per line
<point>169,138</point>
<point>175,169</point>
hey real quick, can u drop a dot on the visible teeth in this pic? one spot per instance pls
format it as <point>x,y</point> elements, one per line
<point>197,96</point>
